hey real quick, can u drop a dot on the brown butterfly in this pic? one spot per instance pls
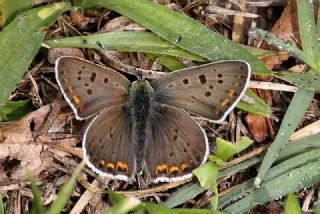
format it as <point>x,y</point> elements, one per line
<point>143,127</point>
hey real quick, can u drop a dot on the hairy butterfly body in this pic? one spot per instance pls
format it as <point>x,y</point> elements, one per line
<point>141,127</point>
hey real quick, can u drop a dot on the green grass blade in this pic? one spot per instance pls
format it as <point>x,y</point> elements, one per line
<point>318,22</point>
<point>123,206</point>
<point>10,8</point>
<point>14,110</point>
<point>297,108</point>
<point>297,160</point>
<point>1,205</point>
<point>37,207</point>
<point>316,205</point>
<point>131,41</point>
<point>274,40</point>
<point>293,149</point>
<point>171,25</point>
<point>259,107</point>
<point>292,205</point>
<point>308,33</point>
<point>65,191</point>
<point>183,194</point>
<point>158,209</point>
<point>196,211</point>
<point>299,178</point>
<point>309,80</point>
<point>20,42</point>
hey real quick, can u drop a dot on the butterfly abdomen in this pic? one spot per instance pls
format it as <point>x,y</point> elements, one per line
<point>141,95</point>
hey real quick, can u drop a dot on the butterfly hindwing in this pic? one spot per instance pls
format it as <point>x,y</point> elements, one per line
<point>176,144</point>
<point>210,90</point>
<point>108,144</point>
<point>88,87</point>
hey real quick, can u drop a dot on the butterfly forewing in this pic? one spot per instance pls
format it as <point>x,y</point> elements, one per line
<point>176,144</point>
<point>210,90</point>
<point>88,87</point>
<point>108,144</point>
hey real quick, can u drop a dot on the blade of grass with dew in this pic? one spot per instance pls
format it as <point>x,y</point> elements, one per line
<point>307,80</point>
<point>1,205</point>
<point>37,207</point>
<point>171,25</point>
<point>65,191</point>
<point>308,34</point>
<point>132,41</point>
<point>292,205</point>
<point>293,149</point>
<point>297,179</point>
<point>139,41</point>
<point>295,112</point>
<point>20,42</point>
<point>274,40</point>
<point>276,171</point>
<point>10,8</point>
<point>262,53</point>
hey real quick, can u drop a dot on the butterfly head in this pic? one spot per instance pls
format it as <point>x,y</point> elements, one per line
<point>141,86</point>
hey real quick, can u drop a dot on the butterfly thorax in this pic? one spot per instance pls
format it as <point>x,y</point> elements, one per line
<point>141,98</point>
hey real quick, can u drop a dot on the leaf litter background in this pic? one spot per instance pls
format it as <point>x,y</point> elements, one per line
<point>47,140</point>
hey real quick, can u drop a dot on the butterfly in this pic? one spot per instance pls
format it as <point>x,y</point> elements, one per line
<point>143,127</point>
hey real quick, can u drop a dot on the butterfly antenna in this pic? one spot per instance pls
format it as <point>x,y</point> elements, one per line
<point>134,70</point>
<point>159,59</point>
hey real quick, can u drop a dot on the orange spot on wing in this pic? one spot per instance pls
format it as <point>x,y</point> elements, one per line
<point>121,167</point>
<point>224,102</point>
<point>102,163</point>
<point>231,93</point>
<point>110,166</point>
<point>70,89</point>
<point>184,166</point>
<point>76,100</point>
<point>174,170</point>
<point>162,169</point>
<point>65,80</point>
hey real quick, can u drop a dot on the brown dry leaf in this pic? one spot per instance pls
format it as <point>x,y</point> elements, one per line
<point>55,53</point>
<point>78,19</point>
<point>258,127</point>
<point>40,126</point>
<point>121,24</point>
<point>22,143</point>
<point>274,61</point>
<point>16,158</point>
<point>261,127</point>
<point>286,28</point>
